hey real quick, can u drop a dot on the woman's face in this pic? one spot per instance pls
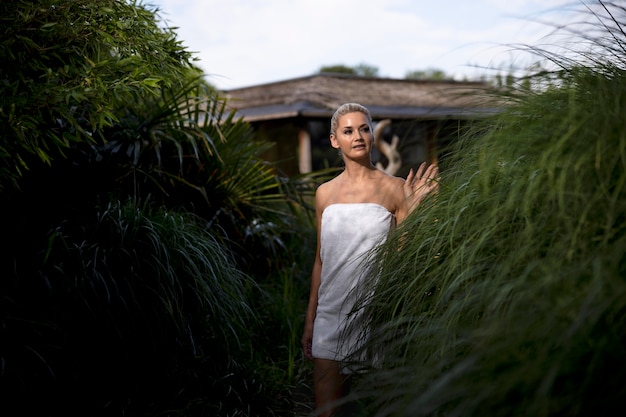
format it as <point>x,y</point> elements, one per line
<point>353,135</point>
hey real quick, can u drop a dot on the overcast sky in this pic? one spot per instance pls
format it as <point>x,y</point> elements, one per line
<point>247,42</point>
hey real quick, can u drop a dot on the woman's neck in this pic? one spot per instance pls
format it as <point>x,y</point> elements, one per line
<point>357,170</point>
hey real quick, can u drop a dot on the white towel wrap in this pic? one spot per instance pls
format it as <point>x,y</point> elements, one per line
<point>349,232</point>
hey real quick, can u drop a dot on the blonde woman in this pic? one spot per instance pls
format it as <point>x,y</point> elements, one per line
<point>355,212</point>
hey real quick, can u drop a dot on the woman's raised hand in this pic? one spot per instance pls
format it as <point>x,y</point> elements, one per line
<point>421,183</point>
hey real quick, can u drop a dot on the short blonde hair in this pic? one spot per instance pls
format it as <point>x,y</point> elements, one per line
<point>345,109</point>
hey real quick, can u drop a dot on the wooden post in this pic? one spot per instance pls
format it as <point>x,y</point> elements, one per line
<point>304,152</point>
<point>431,144</point>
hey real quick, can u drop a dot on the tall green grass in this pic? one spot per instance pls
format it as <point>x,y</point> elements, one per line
<point>506,294</point>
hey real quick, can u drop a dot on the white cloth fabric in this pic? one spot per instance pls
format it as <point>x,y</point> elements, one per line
<point>349,232</point>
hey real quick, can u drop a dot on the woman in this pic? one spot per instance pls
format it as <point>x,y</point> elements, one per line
<point>355,212</point>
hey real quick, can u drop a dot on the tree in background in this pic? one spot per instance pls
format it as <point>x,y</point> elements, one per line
<point>366,70</point>
<point>427,74</point>
<point>363,70</point>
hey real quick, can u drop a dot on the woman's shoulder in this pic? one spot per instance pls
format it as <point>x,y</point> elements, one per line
<point>390,180</point>
<point>325,188</point>
<point>390,189</point>
<point>324,193</point>
<point>331,185</point>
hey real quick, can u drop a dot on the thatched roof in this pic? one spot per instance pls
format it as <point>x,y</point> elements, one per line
<point>320,94</point>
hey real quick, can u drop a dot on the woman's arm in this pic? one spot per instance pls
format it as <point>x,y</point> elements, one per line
<point>316,279</point>
<point>307,336</point>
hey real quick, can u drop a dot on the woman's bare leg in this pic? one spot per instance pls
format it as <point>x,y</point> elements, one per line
<point>329,385</point>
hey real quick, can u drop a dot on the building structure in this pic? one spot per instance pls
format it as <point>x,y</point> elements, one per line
<point>421,117</point>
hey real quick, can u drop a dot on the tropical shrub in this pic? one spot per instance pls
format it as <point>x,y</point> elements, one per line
<point>144,235</point>
<point>67,68</point>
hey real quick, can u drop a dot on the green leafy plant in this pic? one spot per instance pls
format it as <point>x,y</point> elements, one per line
<point>149,247</point>
<point>65,64</point>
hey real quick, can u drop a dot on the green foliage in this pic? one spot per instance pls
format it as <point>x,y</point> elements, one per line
<point>152,254</point>
<point>67,66</point>
<point>505,295</point>
<point>366,70</point>
<point>428,74</point>
<point>363,70</point>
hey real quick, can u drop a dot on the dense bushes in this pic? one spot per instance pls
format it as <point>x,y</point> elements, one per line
<point>138,221</point>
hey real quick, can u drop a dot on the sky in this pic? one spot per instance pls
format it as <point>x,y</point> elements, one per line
<point>240,43</point>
